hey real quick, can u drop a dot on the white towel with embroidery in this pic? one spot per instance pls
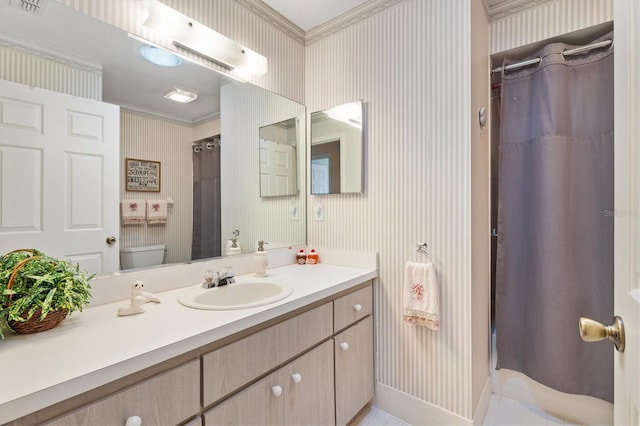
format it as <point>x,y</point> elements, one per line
<point>156,211</point>
<point>421,305</point>
<point>132,212</point>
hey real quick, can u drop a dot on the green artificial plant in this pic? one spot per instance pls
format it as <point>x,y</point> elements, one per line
<point>43,283</point>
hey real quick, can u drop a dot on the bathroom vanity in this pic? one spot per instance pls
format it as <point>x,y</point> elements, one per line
<point>307,359</point>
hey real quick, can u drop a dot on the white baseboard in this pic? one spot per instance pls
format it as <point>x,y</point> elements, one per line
<point>413,410</point>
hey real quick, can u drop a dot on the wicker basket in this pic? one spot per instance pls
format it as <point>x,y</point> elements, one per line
<point>33,324</point>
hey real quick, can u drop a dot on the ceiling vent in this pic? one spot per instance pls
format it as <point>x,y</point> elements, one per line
<point>31,6</point>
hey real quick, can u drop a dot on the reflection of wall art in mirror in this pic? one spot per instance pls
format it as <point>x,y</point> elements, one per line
<point>337,150</point>
<point>143,175</point>
<point>278,158</point>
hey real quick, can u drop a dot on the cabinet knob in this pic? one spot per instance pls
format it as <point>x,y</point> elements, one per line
<point>276,390</point>
<point>133,421</point>
<point>297,378</point>
<point>344,346</point>
<point>357,307</point>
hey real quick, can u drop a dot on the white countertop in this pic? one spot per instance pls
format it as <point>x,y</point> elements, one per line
<point>94,347</point>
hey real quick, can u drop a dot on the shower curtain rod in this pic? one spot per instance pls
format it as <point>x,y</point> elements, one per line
<point>568,52</point>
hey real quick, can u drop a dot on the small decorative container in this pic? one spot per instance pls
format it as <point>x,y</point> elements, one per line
<point>312,257</point>
<point>301,257</point>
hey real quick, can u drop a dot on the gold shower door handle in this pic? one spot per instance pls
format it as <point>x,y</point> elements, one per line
<point>593,331</point>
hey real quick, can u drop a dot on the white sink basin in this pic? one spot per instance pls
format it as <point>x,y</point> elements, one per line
<point>241,295</point>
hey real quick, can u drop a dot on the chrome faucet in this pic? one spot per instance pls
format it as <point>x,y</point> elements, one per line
<point>219,280</point>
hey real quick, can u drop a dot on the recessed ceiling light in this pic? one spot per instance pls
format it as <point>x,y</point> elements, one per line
<point>180,95</point>
<point>158,56</point>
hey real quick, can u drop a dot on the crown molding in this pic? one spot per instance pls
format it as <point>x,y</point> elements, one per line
<point>347,19</point>
<point>511,7</point>
<point>485,5</point>
<point>28,46</point>
<point>495,11</point>
<point>270,15</point>
<point>156,116</point>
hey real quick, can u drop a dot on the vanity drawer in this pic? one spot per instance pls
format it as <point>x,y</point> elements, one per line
<point>230,367</point>
<point>352,307</point>
<point>168,398</point>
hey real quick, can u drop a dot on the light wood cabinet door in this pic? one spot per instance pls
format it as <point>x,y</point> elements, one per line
<point>194,422</point>
<point>309,392</point>
<point>166,399</point>
<point>259,404</point>
<point>298,394</point>
<point>233,366</point>
<point>353,369</point>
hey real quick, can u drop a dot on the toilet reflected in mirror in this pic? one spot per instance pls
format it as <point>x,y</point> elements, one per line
<point>141,257</point>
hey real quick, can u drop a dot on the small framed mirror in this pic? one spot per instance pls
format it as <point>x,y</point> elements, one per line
<point>337,146</point>
<point>278,158</point>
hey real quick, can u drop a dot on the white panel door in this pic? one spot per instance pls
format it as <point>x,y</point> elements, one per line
<point>320,176</point>
<point>59,171</point>
<point>277,168</point>
<point>627,209</point>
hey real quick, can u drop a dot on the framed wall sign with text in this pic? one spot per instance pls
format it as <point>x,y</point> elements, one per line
<point>143,175</point>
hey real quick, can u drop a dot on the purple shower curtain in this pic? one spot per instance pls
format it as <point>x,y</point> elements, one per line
<point>555,220</point>
<point>206,240</point>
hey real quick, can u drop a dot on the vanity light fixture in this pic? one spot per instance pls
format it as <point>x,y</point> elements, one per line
<point>183,57</point>
<point>159,56</point>
<point>185,33</point>
<point>180,95</point>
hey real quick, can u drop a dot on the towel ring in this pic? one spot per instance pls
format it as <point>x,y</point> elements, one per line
<point>423,248</point>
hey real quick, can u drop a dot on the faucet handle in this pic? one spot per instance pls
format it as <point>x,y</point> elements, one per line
<point>208,275</point>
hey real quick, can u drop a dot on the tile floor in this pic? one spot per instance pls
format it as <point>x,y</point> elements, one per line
<point>507,412</point>
<point>372,416</point>
<point>501,412</point>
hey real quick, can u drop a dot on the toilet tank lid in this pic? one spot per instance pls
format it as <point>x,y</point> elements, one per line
<point>143,248</point>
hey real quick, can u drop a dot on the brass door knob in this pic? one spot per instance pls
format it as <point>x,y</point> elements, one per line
<point>593,331</point>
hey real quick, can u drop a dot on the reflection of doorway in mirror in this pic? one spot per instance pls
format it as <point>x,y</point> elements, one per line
<point>325,167</point>
<point>277,169</point>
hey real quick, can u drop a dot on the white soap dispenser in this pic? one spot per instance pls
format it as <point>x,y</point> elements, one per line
<point>260,260</point>
<point>233,246</point>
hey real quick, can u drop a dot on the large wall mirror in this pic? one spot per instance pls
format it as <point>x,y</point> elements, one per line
<point>337,150</point>
<point>207,148</point>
